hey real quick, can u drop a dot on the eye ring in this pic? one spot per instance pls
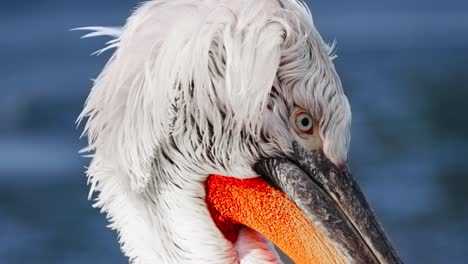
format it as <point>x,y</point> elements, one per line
<point>303,123</point>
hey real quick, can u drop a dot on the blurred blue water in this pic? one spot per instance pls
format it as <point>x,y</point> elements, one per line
<point>403,66</point>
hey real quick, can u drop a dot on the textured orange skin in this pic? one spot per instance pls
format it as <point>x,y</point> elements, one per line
<point>234,203</point>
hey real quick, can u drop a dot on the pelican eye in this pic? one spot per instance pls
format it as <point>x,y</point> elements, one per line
<point>303,123</point>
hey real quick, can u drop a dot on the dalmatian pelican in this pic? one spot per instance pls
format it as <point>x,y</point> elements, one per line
<point>219,128</point>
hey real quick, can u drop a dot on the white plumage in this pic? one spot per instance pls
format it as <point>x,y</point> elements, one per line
<point>198,87</point>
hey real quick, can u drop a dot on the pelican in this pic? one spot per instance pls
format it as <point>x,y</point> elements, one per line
<point>219,128</point>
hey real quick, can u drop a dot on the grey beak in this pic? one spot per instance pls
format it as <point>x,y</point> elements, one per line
<point>333,201</point>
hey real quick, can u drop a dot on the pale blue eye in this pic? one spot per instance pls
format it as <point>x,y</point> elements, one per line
<point>304,122</point>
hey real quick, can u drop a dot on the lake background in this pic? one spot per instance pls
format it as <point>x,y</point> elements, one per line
<point>404,65</point>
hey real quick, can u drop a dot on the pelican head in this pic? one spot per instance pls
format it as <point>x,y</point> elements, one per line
<point>218,126</point>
